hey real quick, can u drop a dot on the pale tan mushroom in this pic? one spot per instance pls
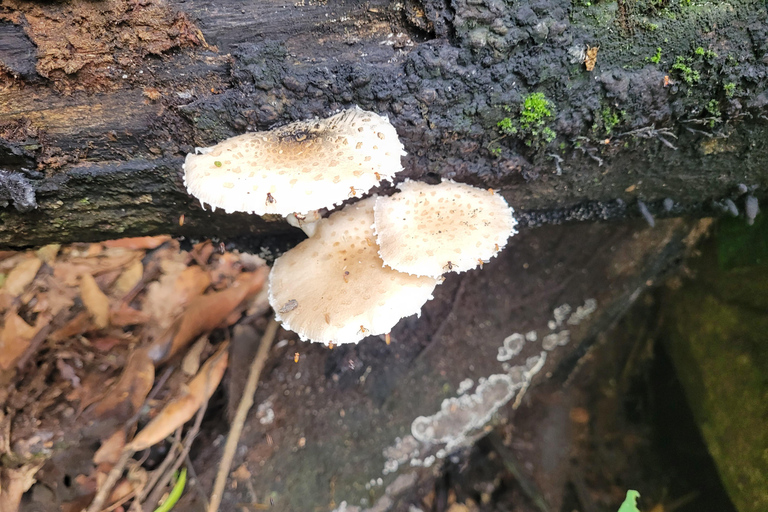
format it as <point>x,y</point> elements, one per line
<point>334,288</point>
<point>428,230</point>
<point>300,167</point>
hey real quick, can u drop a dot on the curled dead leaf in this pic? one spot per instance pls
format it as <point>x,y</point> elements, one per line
<point>129,392</point>
<point>95,301</point>
<point>14,339</point>
<point>21,276</point>
<point>110,450</point>
<point>180,410</point>
<point>206,313</point>
<point>129,278</point>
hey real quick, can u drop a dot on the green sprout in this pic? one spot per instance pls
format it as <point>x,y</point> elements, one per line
<point>630,502</point>
<point>656,58</point>
<point>730,89</point>
<point>689,75</point>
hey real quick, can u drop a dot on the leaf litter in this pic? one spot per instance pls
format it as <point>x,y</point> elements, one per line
<point>101,341</point>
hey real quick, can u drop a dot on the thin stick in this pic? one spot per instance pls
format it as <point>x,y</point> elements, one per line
<point>242,412</point>
<point>190,438</point>
<point>117,471</point>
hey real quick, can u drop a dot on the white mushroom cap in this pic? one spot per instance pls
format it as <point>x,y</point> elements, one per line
<point>303,166</point>
<point>334,288</point>
<point>428,230</point>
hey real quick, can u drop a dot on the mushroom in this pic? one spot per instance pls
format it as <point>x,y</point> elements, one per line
<point>334,288</point>
<point>428,230</point>
<point>298,168</point>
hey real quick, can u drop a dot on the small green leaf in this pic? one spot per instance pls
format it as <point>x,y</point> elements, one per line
<point>630,502</point>
<point>177,491</point>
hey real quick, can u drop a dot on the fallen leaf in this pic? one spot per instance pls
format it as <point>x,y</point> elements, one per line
<point>180,410</point>
<point>48,253</point>
<point>129,392</point>
<point>21,276</point>
<point>106,343</point>
<point>14,339</point>
<point>206,313</point>
<point>95,301</point>
<point>110,450</point>
<point>14,483</point>
<point>167,297</point>
<point>129,278</point>
<point>140,242</point>
<point>191,362</point>
<point>591,58</point>
<point>124,315</point>
<point>78,325</point>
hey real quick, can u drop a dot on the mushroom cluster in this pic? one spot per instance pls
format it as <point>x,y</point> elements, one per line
<point>370,264</point>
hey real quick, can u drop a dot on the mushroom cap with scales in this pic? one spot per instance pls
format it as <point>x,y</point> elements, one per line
<point>334,288</point>
<point>297,168</point>
<point>428,230</point>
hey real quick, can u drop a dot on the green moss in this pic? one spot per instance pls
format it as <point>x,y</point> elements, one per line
<point>729,89</point>
<point>531,124</point>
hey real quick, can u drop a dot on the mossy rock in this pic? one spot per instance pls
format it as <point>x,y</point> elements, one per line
<point>716,334</point>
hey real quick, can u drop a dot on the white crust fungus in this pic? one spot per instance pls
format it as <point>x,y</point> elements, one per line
<point>428,230</point>
<point>303,166</point>
<point>341,289</point>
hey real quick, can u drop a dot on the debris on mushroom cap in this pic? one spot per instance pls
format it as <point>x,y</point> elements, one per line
<point>304,222</point>
<point>303,166</point>
<point>341,288</point>
<point>428,230</point>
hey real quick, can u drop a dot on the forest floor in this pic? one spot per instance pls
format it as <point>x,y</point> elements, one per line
<point>97,339</point>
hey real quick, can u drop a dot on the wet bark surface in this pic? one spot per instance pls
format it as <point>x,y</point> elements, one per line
<point>94,129</point>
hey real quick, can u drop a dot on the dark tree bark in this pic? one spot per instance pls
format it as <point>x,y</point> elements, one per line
<point>101,101</point>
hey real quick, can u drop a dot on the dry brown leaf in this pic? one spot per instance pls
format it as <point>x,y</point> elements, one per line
<point>129,278</point>
<point>167,297</point>
<point>129,392</point>
<point>191,362</point>
<point>123,316</point>
<point>48,253</point>
<point>206,313</point>
<point>78,325</point>
<point>140,242</point>
<point>106,343</point>
<point>180,410</point>
<point>56,298</point>
<point>14,339</point>
<point>95,301</point>
<point>111,449</point>
<point>21,276</point>
<point>14,483</point>
<point>591,57</point>
<point>69,271</point>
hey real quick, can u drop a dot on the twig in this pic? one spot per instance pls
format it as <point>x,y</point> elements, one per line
<point>101,496</point>
<point>160,471</point>
<point>242,411</point>
<point>198,488</point>
<point>188,440</point>
<point>61,318</point>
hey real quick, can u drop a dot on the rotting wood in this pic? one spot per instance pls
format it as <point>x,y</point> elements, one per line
<point>106,161</point>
